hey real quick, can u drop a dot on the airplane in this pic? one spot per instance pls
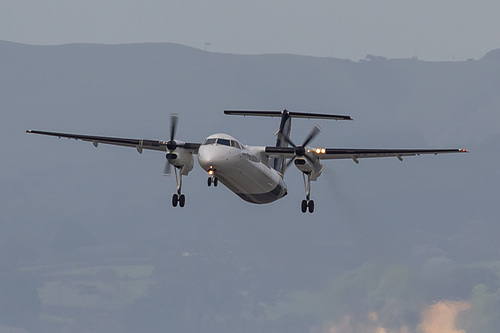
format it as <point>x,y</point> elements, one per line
<point>254,173</point>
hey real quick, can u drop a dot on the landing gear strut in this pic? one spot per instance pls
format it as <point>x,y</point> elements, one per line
<point>307,204</point>
<point>178,198</point>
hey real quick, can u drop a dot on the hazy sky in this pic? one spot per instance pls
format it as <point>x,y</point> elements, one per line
<point>429,29</point>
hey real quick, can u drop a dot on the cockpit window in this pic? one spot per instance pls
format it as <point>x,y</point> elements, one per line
<point>209,141</point>
<point>224,142</point>
<point>235,144</point>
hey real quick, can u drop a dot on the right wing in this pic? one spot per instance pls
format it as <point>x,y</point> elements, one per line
<point>139,144</point>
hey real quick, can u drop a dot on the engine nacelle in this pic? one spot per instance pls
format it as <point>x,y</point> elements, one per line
<point>306,166</point>
<point>182,159</point>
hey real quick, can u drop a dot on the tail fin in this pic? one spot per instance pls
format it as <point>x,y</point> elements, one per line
<point>278,163</point>
<point>285,126</point>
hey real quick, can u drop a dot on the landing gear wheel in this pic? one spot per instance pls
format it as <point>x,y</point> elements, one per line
<point>209,181</point>
<point>175,200</point>
<point>182,200</point>
<point>311,206</point>
<point>216,182</point>
<point>304,206</point>
<point>307,203</point>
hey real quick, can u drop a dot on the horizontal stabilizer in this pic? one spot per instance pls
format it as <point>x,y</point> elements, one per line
<point>292,114</point>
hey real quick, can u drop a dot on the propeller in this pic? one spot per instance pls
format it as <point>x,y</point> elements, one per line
<point>168,169</point>
<point>172,144</point>
<point>300,151</point>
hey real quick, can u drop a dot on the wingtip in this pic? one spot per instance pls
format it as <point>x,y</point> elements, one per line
<point>28,131</point>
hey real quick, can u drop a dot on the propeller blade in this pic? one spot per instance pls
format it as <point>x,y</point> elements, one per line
<point>309,159</point>
<point>288,164</point>
<point>315,131</point>
<point>173,125</point>
<point>167,171</point>
<point>283,137</point>
<point>172,145</point>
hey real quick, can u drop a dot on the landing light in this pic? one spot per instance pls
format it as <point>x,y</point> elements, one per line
<point>320,150</point>
<point>210,172</point>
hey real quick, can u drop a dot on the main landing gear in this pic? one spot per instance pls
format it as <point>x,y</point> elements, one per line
<point>178,198</point>
<point>307,204</point>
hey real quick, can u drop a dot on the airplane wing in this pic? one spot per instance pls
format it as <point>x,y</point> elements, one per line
<point>355,154</point>
<point>139,144</point>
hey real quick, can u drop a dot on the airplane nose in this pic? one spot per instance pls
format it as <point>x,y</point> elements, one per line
<point>207,158</point>
<point>217,157</point>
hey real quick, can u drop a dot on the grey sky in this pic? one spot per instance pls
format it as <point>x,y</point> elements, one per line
<point>429,29</point>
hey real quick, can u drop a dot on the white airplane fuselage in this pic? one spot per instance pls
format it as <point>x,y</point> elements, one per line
<point>245,170</point>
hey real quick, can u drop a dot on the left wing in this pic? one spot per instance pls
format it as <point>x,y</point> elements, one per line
<point>139,144</point>
<point>355,154</point>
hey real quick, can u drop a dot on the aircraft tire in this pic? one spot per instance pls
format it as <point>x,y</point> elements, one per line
<point>209,181</point>
<point>175,200</point>
<point>311,206</point>
<point>304,206</point>
<point>216,182</point>
<point>182,200</point>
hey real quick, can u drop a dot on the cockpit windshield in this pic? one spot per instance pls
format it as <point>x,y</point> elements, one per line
<point>224,142</point>
<point>210,141</point>
<point>235,144</point>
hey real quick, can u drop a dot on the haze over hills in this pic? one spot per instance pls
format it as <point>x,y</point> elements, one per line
<point>90,241</point>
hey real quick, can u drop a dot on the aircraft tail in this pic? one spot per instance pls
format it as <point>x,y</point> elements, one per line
<point>278,163</point>
<point>286,116</point>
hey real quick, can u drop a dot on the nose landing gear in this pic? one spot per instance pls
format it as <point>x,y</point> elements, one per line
<point>212,179</point>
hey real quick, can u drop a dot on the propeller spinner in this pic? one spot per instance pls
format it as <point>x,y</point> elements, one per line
<point>300,151</point>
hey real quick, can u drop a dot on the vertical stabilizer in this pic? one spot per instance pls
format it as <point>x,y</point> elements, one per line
<point>278,163</point>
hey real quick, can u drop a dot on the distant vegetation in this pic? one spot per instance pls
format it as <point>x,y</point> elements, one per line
<point>89,243</point>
